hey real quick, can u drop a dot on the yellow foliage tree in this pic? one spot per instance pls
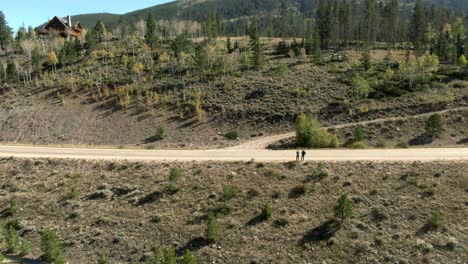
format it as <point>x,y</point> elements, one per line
<point>52,59</point>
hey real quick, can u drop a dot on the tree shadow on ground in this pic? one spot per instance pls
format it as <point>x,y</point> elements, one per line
<point>323,232</point>
<point>150,198</point>
<point>194,245</point>
<point>423,139</point>
<point>255,221</point>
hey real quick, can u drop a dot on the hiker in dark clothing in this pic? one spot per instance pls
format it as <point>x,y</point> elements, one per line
<point>297,155</point>
<point>303,155</point>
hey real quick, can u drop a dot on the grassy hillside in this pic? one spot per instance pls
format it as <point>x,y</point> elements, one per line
<point>401,213</point>
<point>100,100</point>
<point>198,10</point>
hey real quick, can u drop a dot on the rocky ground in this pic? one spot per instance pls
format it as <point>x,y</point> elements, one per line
<point>125,210</point>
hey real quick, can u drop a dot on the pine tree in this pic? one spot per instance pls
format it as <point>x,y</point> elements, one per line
<point>5,32</point>
<point>258,58</point>
<point>434,125</point>
<point>370,21</point>
<point>22,34</point>
<point>100,31</point>
<point>343,208</point>
<point>391,14</point>
<point>418,23</point>
<point>123,24</point>
<point>316,50</point>
<point>11,72</point>
<point>36,60</point>
<point>151,36</point>
<point>91,41</point>
<point>309,38</point>
<point>285,21</point>
<point>324,23</point>
<point>229,44</point>
<point>366,59</point>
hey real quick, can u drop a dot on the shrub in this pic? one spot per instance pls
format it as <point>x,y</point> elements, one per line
<point>403,143</point>
<point>309,134</point>
<point>334,141</point>
<point>11,239</point>
<point>281,70</point>
<point>2,258</point>
<point>381,143</point>
<point>359,145</point>
<point>359,134</point>
<point>11,210</point>
<point>267,211</point>
<point>51,247</point>
<point>223,209</point>
<point>437,219</point>
<point>434,126</point>
<point>320,172</point>
<point>360,88</point>
<point>229,193</point>
<point>188,258</point>
<point>232,135</point>
<point>173,188</point>
<point>298,191</point>
<point>163,256</point>
<point>160,133</point>
<point>343,208</point>
<point>25,248</point>
<point>103,259</point>
<point>174,174</point>
<point>211,233</point>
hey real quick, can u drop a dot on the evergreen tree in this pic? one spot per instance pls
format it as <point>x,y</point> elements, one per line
<point>100,31</point>
<point>366,59</point>
<point>3,76</point>
<point>124,28</point>
<point>343,208</point>
<point>316,50</point>
<point>258,58</point>
<point>324,24</point>
<point>22,34</point>
<point>418,23</point>
<point>229,44</point>
<point>36,60</point>
<point>370,21</point>
<point>91,41</point>
<point>434,125</point>
<point>391,14</point>
<point>285,20</point>
<point>12,72</point>
<point>151,36</point>
<point>5,32</point>
<point>345,14</point>
<point>442,46</point>
<point>309,38</point>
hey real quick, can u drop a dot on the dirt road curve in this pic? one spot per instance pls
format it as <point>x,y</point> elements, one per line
<point>422,154</point>
<point>264,142</point>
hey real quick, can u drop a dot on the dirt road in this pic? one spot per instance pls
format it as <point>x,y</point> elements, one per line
<point>419,154</point>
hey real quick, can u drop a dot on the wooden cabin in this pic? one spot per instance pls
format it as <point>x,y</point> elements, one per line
<point>62,27</point>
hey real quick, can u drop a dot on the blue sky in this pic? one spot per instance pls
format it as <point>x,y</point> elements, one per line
<point>36,12</point>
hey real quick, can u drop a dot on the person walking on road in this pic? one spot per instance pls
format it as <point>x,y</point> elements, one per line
<point>303,155</point>
<point>297,155</point>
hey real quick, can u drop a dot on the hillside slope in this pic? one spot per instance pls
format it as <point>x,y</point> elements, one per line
<point>126,211</point>
<point>198,10</point>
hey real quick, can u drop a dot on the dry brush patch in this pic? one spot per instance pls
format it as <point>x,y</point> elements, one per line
<point>126,210</point>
